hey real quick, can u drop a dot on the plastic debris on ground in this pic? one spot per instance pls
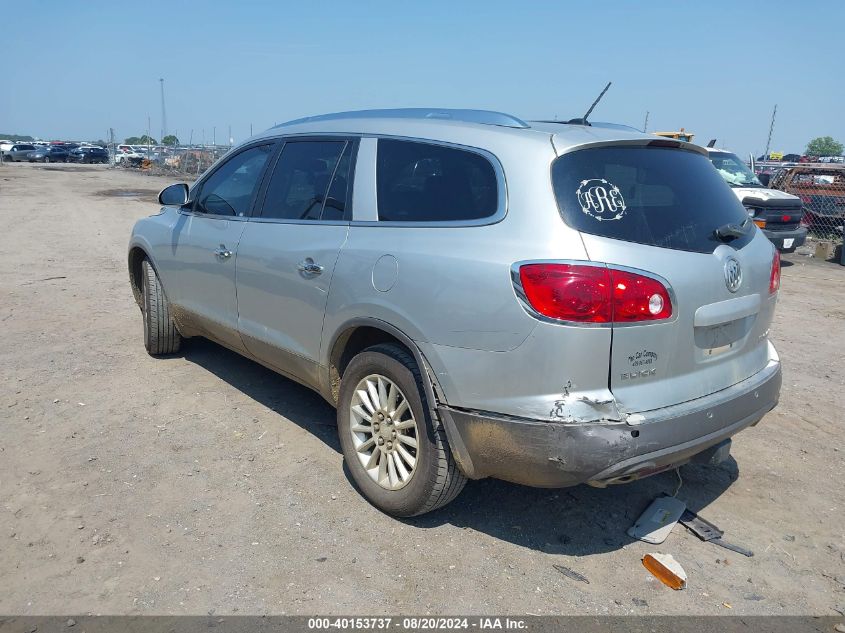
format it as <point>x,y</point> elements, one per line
<point>655,524</point>
<point>666,569</point>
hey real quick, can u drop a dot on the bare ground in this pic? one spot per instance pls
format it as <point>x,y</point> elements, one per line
<point>204,482</point>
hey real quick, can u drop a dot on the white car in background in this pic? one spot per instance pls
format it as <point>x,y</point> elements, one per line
<point>127,154</point>
<point>777,213</point>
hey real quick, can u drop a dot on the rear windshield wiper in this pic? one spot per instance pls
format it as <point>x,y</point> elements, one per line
<point>729,231</point>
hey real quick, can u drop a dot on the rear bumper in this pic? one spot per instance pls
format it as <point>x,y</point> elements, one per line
<point>799,236</point>
<point>552,454</point>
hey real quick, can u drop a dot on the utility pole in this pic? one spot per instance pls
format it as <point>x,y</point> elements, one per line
<point>771,129</point>
<point>645,125</point>
<point>163,112</point>
<point>230,137</point>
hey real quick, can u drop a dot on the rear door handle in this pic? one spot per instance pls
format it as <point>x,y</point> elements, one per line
<point>308,267</point>
<point>223,252</point>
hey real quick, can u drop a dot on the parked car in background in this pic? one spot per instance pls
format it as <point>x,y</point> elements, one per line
<point>778,213</point>
<point>89,155</point>
<point>542,302</point>
<point>127,156</point>
<point>17,152</point>
<point>821,187</point>
<point>49,154</point>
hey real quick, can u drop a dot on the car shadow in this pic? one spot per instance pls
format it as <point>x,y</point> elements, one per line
<point>300,405</point>
<point>573,521</point>
<point>576,521</point>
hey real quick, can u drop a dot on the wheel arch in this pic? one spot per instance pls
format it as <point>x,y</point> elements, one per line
<point>134,259</point>
<point>138,252</point>
<point>358,334</point>
<point>363,332</point>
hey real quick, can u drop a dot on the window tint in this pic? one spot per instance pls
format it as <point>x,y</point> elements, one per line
<point>663,197</point>
<point>229,190</point>
<point>301,179</point>
<point>421,182</point>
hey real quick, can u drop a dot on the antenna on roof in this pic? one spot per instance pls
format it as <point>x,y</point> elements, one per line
<point>583,119</point>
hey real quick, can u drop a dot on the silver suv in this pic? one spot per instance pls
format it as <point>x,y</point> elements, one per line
<point>546,303</point>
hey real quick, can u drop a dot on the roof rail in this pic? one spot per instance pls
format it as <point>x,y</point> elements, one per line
<point>484,117</point>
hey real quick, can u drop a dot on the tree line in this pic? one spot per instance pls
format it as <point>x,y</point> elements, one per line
<point>170,140</point>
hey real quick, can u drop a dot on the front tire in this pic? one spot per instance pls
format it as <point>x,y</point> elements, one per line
<point>398,459</point>
<point>160,333</point>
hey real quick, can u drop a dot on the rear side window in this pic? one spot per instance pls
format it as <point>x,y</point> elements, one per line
<point>305,179</point>
<point>422,182</point>
<point>671,198</point>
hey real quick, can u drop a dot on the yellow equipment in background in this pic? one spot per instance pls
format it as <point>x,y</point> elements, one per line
<point>682,135</point>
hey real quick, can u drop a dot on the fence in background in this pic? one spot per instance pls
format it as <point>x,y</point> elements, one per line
<point>821,187</point>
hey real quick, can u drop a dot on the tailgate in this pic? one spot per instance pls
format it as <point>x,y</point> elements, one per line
<point>668,213</point>
<point>716,337</point>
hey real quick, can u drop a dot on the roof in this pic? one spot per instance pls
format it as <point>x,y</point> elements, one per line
<point>460,124</point>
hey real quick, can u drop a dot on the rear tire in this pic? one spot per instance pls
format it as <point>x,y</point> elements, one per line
<point>435,479</point>
<point>160,333</point>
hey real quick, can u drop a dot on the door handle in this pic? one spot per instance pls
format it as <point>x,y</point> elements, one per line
<point>308,267</point>
<point>223,252</point>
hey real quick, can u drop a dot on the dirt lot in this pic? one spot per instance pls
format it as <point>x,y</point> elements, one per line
<point>206,483</point>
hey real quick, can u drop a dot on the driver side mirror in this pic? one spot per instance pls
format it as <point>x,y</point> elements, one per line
<point>174,195</point>
<point>764,179</point>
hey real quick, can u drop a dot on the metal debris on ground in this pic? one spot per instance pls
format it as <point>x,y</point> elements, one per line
<point>569,573</point>
<point>655,524</point>
<point>708,532</point>
<point>666,569</point>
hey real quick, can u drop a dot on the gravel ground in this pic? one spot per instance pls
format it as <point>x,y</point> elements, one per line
<point>206,483</point>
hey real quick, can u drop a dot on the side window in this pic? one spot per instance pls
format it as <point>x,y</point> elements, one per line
<point>301,181</point>
<point>422,182</point>
<point>229,190</point>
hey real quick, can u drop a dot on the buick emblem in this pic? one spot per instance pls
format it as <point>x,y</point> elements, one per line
<point>733,274</point>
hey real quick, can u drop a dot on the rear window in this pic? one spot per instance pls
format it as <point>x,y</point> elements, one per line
<point>666,197</point>
<point>423,182</point>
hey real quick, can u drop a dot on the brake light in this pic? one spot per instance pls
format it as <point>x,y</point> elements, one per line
<point>568,292</point>
<point>774,277</point>
<point>593,294</point>
<point>638,298</point>
<point>786,218</point>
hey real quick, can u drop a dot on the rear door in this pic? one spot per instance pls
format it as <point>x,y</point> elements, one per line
<point>288,253</point>
<point>656,209</point>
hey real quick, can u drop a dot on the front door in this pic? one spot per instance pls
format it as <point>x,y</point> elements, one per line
<point>205,244</point>
<point>288,252</point>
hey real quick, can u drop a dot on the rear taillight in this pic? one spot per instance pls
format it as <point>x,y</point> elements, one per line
<point>638,298</point>
<point>593,294</point>
<point>774,277</point>
<point>568,292</point>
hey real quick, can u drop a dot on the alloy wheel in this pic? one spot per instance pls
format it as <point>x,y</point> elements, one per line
<point>384,431</point>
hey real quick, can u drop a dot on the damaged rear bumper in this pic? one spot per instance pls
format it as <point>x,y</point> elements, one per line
<point>559,454</point>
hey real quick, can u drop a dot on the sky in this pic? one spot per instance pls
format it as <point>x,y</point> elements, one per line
<point>72,70</point>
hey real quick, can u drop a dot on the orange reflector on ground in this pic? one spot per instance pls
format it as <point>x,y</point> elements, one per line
<point>666,569</point>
